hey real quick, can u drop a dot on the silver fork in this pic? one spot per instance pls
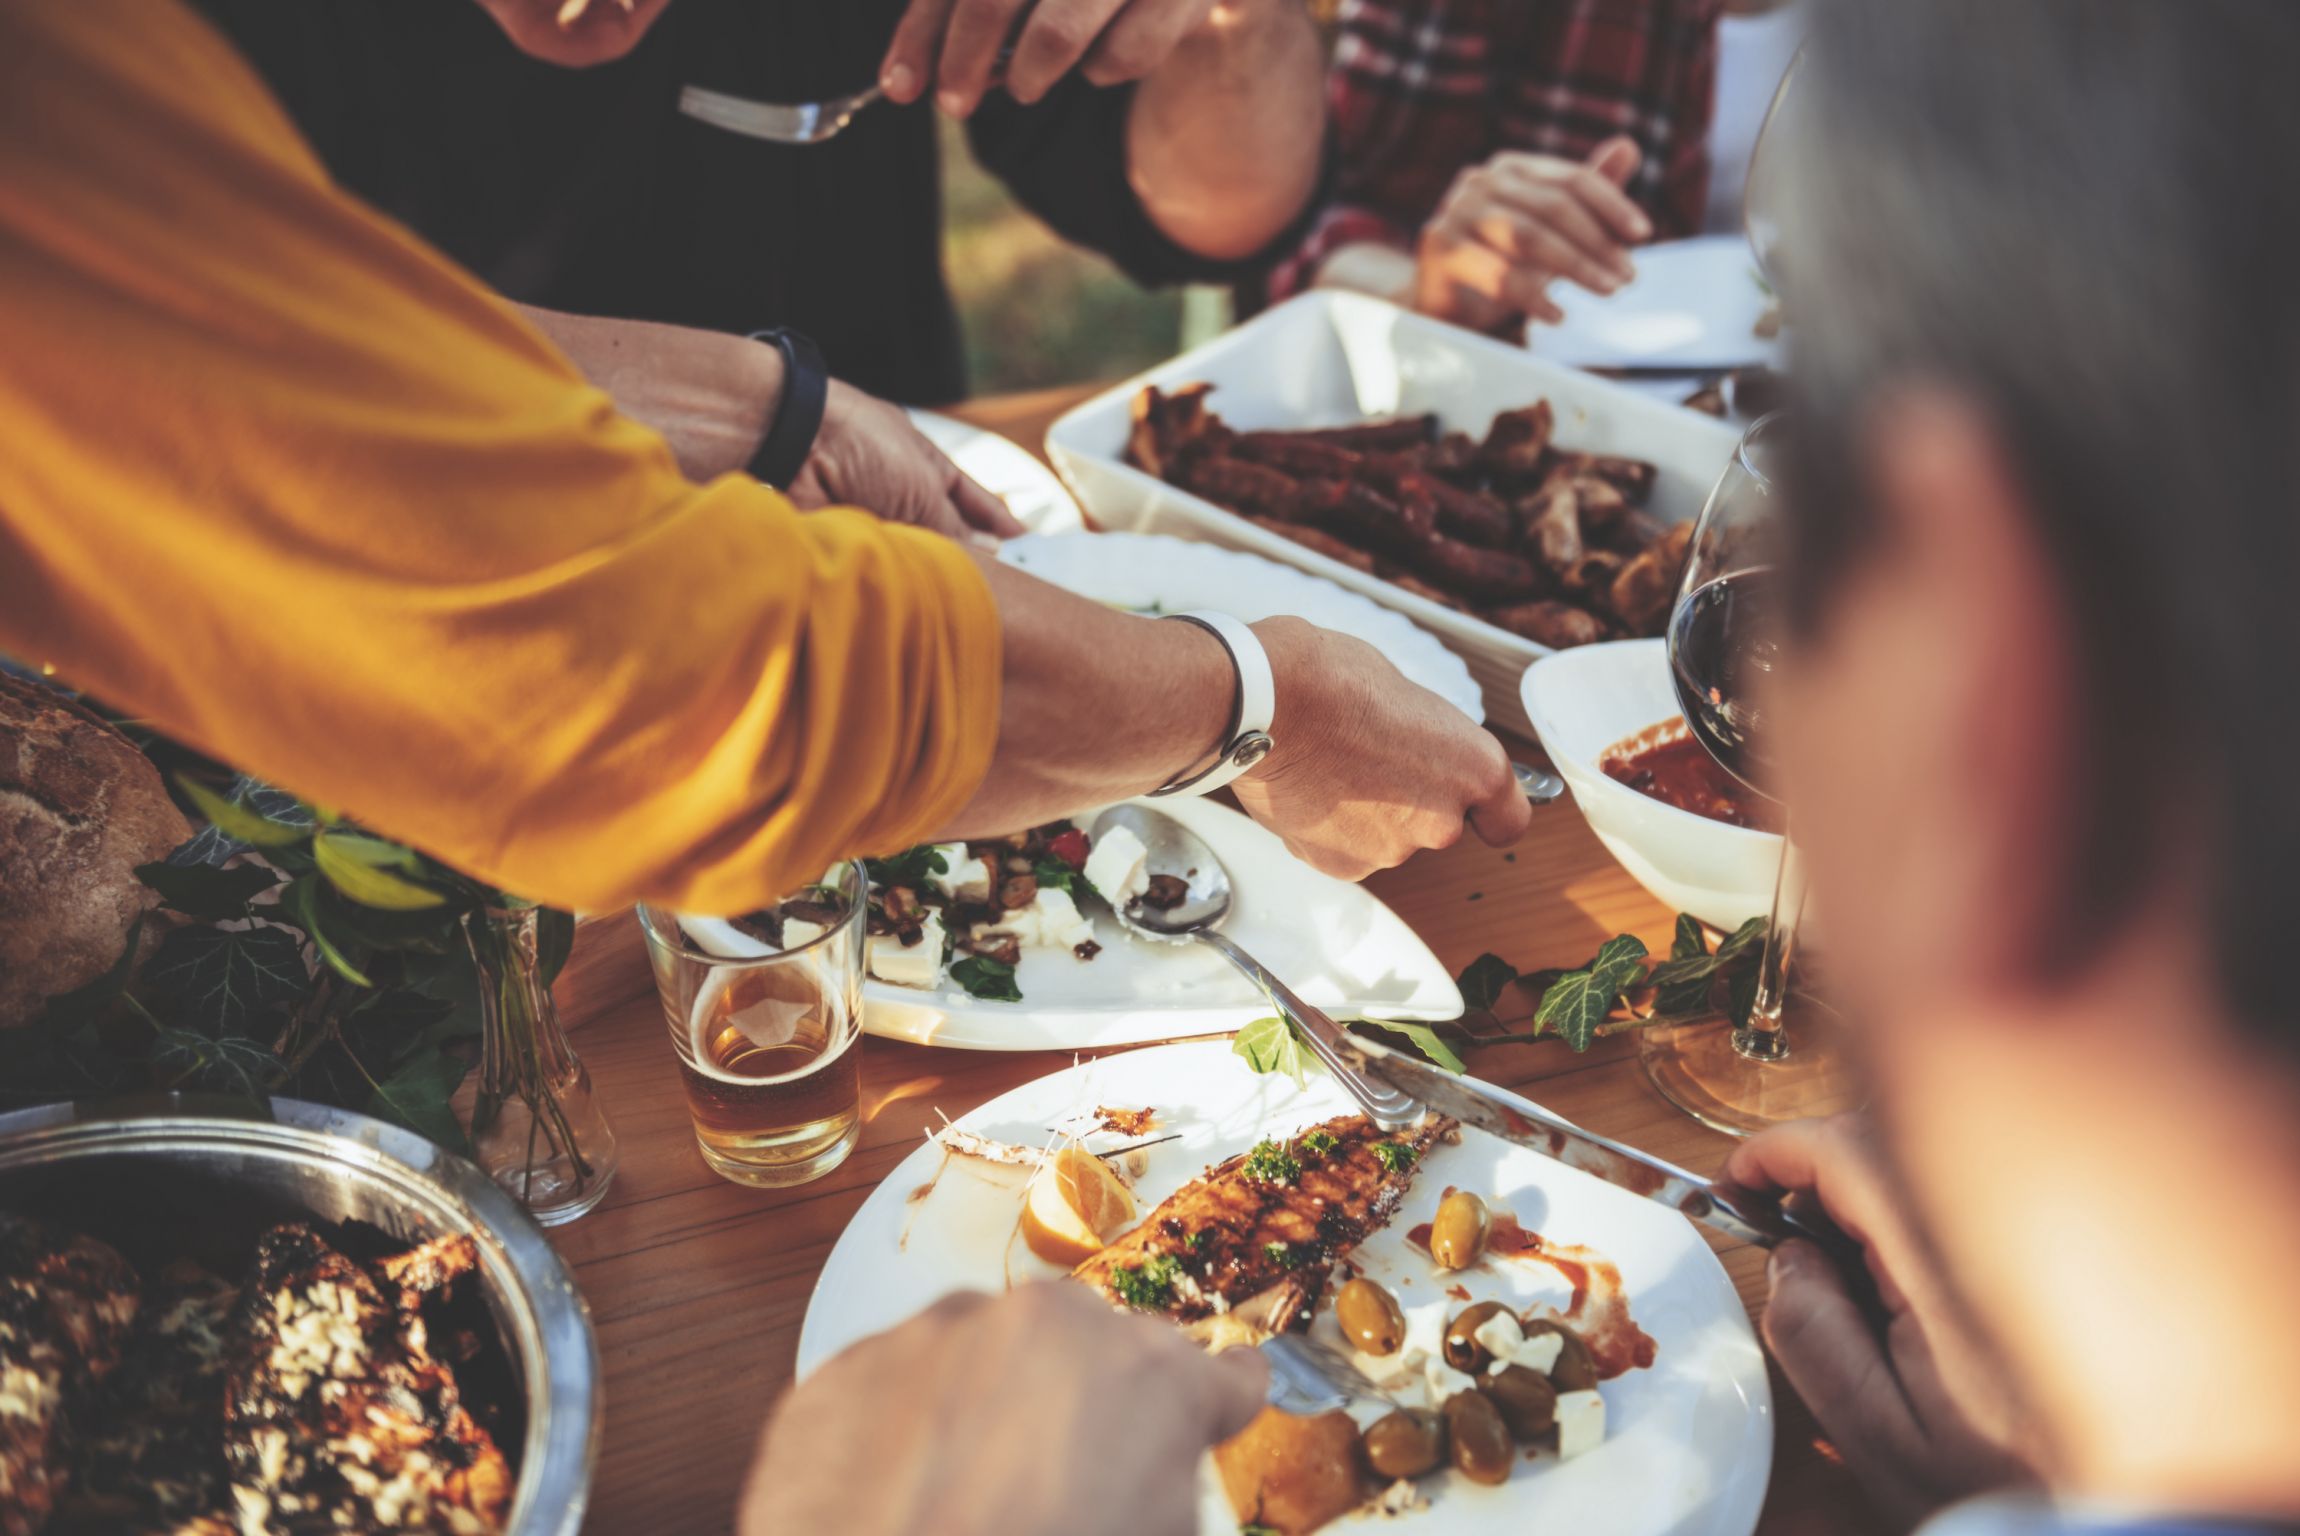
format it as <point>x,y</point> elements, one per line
<point>795,122</point>
<point>1310,1378</point>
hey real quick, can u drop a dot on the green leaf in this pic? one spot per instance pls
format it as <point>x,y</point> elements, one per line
<point>85,1004</point>
<point>554,942</point>
<point>991,980</point>
<point>419,1094</point>
<point>1741,997</point>
<point>230,1064</point>
<point>1749,934</point>
<point>206,892</point>
<point>1425,1040</point>
<point>1681,999</point>
<point>301,903</point>
<point>1270,1045</point>
<point>1574,1009</point>
<point>1690,941</point>
<point>909,867</point>
<point>223,978</point>
<point>360,867</point>
<point>236,820</point>
<point>1054,875</point>
<point>1482,981</point>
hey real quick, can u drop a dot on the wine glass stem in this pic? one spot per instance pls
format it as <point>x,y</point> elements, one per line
<point>1762,1039</point>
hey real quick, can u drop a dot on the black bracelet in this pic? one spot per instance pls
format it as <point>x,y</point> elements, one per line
<point>790,437</point>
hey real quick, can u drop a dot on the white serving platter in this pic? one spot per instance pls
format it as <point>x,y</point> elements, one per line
<point>1689,1440</point>
<point>1153,573</point>
<point>1006,469</point>
<point>1330,358</point>
<point>1332,941</point>
<point>1694,304</point>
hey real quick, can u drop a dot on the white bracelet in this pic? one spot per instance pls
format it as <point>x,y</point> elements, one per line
<point>1247,741</point>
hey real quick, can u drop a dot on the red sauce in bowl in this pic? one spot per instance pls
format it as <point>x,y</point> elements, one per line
<point>1665,762</point>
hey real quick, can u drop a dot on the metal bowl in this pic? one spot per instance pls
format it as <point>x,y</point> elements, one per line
<point>197,1182</point>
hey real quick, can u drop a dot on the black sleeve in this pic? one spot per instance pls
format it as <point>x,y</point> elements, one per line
<point>1064,159</point>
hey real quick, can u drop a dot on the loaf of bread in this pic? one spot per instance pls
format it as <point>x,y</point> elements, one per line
<point>80,808</point>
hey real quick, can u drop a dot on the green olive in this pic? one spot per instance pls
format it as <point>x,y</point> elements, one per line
<point>1457,1236</point>
<point>1370,1317</point>
<point>1406,1443</point>
<point>1462,1350</point>
<point>1525,1399</point>
<point>1478,1438</point>
<point>1576,1369</point>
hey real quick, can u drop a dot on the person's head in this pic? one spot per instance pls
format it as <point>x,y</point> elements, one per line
<point>575,33</point>
<point>2041,741</point>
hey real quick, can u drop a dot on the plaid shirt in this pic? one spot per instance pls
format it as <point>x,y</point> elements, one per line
<point>1423,89</point>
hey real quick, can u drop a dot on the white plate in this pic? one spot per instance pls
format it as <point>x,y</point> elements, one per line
<point>1332,941</point>
<point>1585,700</point>
<point>1694,304</point>
<point>1689,1441</point>
<point>1032,492</point>
<point>1149,571</point>
<point>1327,358</point>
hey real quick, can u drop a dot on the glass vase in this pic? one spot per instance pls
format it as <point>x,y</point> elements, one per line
<point>536,1126</point>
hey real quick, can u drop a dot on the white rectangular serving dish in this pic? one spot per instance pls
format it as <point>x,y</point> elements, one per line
<point>1328,359</point>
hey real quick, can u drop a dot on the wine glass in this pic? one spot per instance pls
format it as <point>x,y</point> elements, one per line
<point>1725,653</point>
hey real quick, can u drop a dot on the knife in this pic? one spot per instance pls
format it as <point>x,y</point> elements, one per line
<point>1520,1122</point>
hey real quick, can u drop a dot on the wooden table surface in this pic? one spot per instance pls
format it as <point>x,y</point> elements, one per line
<point>698,1286</point>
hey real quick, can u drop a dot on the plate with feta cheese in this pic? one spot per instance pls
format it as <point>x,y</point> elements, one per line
<point>1664,1426</point>
<point>1010,944</point>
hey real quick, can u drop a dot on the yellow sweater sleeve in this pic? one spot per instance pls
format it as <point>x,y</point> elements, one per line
<point>286,483</point>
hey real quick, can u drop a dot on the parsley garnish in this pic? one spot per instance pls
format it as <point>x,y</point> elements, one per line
<point>1319,1143</point>
<point>1149,1285</point>
<point>1054,875</point>
<point>909,867</point>
<point>1270,1163</point>
<point>991,980</point>
<point>1284,1255</point>
<point>1396,1156</point>
<point>1194,1241</point>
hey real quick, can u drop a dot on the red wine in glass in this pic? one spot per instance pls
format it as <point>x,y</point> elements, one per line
<point>1723,648</point>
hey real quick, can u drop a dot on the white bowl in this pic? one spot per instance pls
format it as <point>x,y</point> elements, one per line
<point>1151,573</point>
<point>1583,701</point>
<point>1328,358</point>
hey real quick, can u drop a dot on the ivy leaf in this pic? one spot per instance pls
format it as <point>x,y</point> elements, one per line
<point>301,903</point>
<point>85,1004</point>
<point>991,980</point>
<point>1574,1009</point>
<point>1270,1045</point>
<point>1750,934</point>
<point>1425,1040</point>
<point>224,977</point>
<point>419,1094</point>
<point>1681,999</point>
<point>1482,981</point>
<point>361,868</point>
<point>1741,997</point>
<point>1620,961</point>
<point>235,819</point>
<point>554,942</point>
<point>1691,940</point>
<point>206,892</point>
<point>231,1064</point>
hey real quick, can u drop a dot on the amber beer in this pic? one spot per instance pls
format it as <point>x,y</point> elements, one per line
<point>766,1044</point>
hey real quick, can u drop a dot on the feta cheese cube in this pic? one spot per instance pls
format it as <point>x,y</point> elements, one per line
<point>965,878</point>
<point>798,931</point>
<point>910,965</point>
<point>1445,1382</point>
<point>1580,1423</point>
<point>1538,1353</point>
<point>1052,920</point>
<point>1118,867</point>
<point>1500,1336</point>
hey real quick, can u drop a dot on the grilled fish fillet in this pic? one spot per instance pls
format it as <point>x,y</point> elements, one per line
<point>336,1415</point>
<point>1245,1250</point>
<point>151,1454</point>
<point>66,1305</point>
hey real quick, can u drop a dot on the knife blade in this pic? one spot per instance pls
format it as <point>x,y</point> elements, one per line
<point>1520,1122</point>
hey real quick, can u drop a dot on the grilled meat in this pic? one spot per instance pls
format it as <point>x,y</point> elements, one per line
<point>336,1416</point>
<point>151,1454</point>
<point>1245,1250</point>
<point>66,1305</point>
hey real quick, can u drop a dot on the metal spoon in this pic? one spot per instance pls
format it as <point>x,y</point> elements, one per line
<point>1176,850</point>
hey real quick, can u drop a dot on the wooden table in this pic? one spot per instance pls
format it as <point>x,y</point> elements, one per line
<point>698,1286</point>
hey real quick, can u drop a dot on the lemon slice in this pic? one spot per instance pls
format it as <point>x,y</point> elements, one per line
<point>1076,1206</point>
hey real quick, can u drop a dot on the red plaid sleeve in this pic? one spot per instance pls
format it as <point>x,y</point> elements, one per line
<point>1421,90</point>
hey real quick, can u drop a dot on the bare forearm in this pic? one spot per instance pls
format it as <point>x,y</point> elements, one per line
<point>710,394</point>
<point>1224,138</point>
<point>1098,705</point>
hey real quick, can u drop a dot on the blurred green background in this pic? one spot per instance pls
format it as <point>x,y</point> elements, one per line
<point>1038,312</point>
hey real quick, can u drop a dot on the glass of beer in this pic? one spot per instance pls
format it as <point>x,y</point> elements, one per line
<point>764,1013</point>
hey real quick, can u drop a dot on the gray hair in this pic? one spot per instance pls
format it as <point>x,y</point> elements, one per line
<point>2081,216</point>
